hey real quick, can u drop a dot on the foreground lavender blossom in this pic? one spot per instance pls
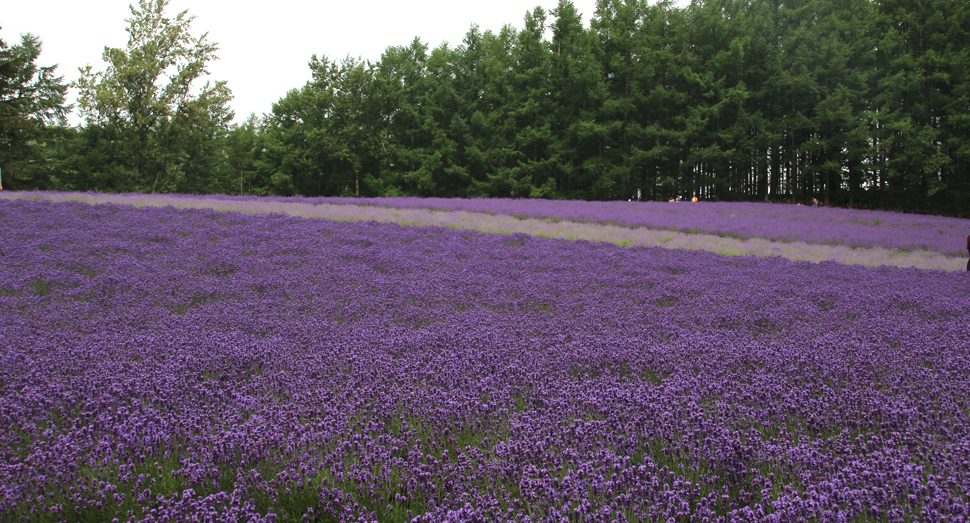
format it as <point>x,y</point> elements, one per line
<point>545,228</point>
<point>162,365</point>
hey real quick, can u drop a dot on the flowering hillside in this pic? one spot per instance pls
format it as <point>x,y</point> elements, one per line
<point>160,364</point>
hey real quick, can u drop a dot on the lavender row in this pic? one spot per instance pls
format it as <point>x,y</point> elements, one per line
<point>853,228</point>
<point>161,365</point>
<point>545,228</point>
<point>780,222</point>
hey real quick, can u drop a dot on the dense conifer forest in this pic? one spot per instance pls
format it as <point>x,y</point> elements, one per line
<point>855,103</point>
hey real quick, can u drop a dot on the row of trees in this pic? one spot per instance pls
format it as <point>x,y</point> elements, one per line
<point>853,102</point>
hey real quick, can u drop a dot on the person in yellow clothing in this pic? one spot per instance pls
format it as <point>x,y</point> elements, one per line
<point>694,199</point>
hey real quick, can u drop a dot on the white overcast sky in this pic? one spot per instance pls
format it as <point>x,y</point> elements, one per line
<point>264,46</point>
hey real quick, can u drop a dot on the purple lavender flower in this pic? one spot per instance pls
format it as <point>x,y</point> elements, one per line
<point>159,364</point>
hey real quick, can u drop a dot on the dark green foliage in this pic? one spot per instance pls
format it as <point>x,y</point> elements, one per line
<point>921,101</point>
<point>31,103</point>
<point>162,134</point>
<point>851,102</point>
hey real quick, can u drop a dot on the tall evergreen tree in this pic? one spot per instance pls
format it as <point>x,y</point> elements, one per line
<point>32,106</point>
<point>617,24</point>
<point>528,170</point>
<point>917,97</point>
<point>578,88</point>
<point>402,72</point>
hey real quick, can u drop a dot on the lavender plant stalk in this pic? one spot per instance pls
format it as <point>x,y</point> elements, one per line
<point>159,364</point>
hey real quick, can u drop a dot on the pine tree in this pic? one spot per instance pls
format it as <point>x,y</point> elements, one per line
<point>32,107</point>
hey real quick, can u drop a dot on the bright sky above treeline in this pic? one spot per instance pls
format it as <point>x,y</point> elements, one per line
<point>264,46</point>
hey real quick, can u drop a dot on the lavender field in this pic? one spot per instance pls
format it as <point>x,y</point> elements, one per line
<point>163,364</point>
<point>653,225</point>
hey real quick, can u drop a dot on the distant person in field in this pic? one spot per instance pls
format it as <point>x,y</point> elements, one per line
<point>968,253</point>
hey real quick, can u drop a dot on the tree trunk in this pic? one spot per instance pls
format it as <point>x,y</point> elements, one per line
<point>828,180</point>
<point>851,184</point>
